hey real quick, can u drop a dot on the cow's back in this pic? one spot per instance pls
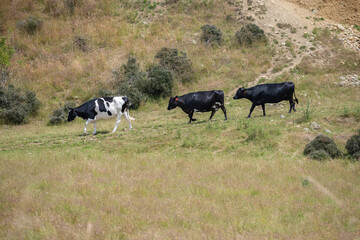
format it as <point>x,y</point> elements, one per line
<point>271,92</point>
<point>204,101</point>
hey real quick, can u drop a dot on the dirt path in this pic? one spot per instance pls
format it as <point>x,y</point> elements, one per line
<point>287,25</point>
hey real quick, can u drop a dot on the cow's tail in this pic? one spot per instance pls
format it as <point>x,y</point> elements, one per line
<point>296,100</point>
<point>127,105</point>
<point>131,118</point>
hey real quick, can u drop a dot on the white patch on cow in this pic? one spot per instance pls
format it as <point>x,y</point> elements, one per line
<point>115,109</point>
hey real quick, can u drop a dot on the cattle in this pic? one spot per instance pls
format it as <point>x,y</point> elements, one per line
<point>269,93</point>
<point>204,101</point>
<point>102,108</point>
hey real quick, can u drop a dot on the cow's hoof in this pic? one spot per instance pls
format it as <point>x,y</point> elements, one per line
<point>225,119</point>
<point>193,119</point>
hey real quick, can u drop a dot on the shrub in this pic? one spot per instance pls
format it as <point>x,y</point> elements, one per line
<point>160,82</point>
<point>81,43</point>
<point>30,25</point>
<point>60,115</point>
<point>211,34</point>
<point>322,147</point>
<point>353,146</point>
<point>250,34</point>
<point>16,106</point>
<point>131,82</point>
<point>178,64</point>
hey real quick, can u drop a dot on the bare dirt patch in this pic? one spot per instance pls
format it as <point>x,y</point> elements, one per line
<point>336,10</point>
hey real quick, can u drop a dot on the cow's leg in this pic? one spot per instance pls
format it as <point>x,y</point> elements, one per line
<point>224,110</point>
<point>291,105</point>
<point>127,116</point>
<point>212,114</point>
<point>251,109</point>
<point>191,115</point>
<point>118,119</point>
<point>263,107</point>
<point>86,123</point>
<point>94,132</point>
<point>294,106</point>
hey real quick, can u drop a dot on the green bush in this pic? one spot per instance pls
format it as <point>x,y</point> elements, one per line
<point>60,115</point>
<point>16,106</point>
<point>353,146</point>
<point>30,25</point>
<point>322,147</point>
<point>178,64</point>
<point>131,82</point>
<point>211,34</point>
<point>160,82</point>
<point>250,34</point>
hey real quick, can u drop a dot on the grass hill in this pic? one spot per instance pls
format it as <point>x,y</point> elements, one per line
<point>166,179</point>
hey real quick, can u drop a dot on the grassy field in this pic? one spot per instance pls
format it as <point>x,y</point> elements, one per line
<point>166,179</point>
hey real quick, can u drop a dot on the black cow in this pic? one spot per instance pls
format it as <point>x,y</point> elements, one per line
<point>268,93</point>
<point>205,101</point>
<point>102,108</point>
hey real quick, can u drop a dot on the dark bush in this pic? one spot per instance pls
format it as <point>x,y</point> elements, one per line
<point>160,82</point>
<point>211,34</point>
<point>16,106</point>
<point>81,43</point>
<point>60,115</point>
<point>353,146</point>
<point>250,34</point>
<point>178,64</point>
<point>30,25</point>
<point>131,82</point>
<point>322,147</point>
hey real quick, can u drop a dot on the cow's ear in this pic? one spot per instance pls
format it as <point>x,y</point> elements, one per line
<point>176,98</point>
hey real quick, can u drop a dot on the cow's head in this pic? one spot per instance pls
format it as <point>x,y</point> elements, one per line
<point>240,93</point>
<point>173,103</point>
<point>72,115</point>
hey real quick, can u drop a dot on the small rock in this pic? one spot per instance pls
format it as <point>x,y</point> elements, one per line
<point>282,116</point>
<point>307,129</point>
<point>340,27</point>
<point>327,131</point>
<point>315,126</point>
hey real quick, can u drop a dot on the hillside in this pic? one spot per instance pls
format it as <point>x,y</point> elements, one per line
<point>167,179</point>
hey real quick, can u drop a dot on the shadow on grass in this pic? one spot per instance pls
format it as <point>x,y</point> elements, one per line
<point>90,134</point>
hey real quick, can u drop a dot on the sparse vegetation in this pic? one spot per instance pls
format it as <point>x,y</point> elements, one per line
<point>30,25</point>
<point>284,25</point>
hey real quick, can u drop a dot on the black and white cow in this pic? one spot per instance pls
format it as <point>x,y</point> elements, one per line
<point>205,101</point>
<point>268,93</point>
<point>102,108</point>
